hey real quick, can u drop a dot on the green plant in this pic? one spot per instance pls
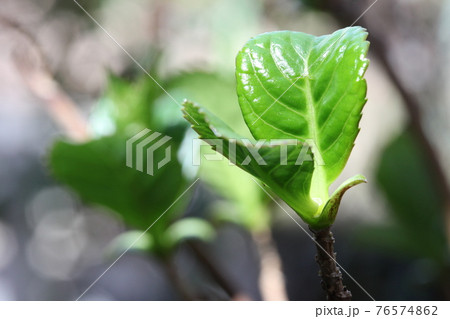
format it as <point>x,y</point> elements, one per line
<point>297,92</point>
<point>235,206</point>
<point>96,171</point>
<point>415,230</point>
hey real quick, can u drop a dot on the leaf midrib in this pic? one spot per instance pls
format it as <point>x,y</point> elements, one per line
<point>318,190</point>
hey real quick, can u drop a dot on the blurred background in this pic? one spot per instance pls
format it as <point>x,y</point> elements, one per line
<point>70,96</point>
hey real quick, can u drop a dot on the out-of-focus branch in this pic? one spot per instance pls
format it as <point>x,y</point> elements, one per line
<point>31,64</point>
<point>271,278</point>
<point>217,274</point>
<point>178,283</point>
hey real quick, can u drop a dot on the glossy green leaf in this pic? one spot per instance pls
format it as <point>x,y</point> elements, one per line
<point>298,87</point>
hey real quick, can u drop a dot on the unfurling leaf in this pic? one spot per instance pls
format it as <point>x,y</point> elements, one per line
<point>298,87</point>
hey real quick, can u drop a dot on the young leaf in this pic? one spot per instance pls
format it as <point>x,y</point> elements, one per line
<point>296,86</point>
<point>291,182</point>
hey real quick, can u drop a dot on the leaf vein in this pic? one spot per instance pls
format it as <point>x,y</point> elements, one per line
<point>276,100</point>
<point>267,123</point>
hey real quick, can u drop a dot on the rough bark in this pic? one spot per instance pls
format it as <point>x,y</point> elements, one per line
<point>329,271</point>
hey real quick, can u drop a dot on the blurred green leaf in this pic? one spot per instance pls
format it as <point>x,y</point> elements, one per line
<point>220,94</point>
<point>138,241</point>
<point>97,171</point>
<point>416,227</point>
<point>188,228</point>
<point>127,107</point>
<point>211,89</point>
<point>248,208</point>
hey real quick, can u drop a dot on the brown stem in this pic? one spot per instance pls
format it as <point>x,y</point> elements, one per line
<point>329,271</point>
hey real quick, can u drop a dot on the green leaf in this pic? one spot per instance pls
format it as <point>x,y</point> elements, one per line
<point>297,87</point>
<point>96,170</point>
<point>220,95</point>
<point>240,207</point>
<point>406,179</point>
<point>291,182</point>
<point>188,228</point>
<point>331,208</point>
<point>132,240</point>
<point>221,100</point>
<point>124,105</point>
